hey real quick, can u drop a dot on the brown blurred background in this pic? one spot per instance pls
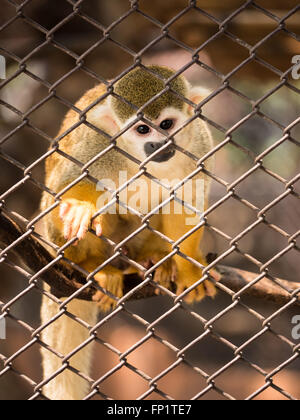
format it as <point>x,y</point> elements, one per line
<point>220,56</point>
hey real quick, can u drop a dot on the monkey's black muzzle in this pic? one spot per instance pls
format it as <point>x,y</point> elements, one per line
<point>163,156</point>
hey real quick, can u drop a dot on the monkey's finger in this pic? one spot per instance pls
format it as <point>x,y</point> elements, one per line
<point>195,295</point>
<point>98,227</point>
<point>180,289</point>
<point>215,274</point>
<point>76,222</point>
<point>84,224</point>
<point>210,288</point>
<point>68,223</point>
<point>63,210</point>
<point>174,272</point>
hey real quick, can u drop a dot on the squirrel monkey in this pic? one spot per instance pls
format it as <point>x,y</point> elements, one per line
<point>74,218</point>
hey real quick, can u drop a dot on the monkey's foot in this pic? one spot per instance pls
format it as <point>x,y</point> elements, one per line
<point>166,273</point>
<point>111,279</point>
<point>187,279</point>
<point>77,218</point>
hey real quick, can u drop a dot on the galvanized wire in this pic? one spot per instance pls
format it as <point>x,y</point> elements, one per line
<point>261,214</point>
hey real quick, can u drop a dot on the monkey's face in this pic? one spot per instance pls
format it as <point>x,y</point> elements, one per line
<point>145,141</point>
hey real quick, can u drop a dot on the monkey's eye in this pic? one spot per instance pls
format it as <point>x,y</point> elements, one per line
<point>143,129</point>
<point>166,124</point>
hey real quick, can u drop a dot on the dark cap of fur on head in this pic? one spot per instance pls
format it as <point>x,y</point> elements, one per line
<point>139,86</point>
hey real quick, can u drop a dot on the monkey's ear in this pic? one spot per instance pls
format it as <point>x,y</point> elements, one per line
<point>102,116</point>
<point>197,94</point>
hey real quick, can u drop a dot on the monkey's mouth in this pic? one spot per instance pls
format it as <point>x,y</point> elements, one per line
<point>165,155</point>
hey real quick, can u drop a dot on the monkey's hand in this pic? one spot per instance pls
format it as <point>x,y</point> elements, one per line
<point>166,273</point>
<point>77,218</point>
<point>188,277</point>
<point>110,279</point>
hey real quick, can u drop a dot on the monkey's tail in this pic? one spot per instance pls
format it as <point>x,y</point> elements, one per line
<point>62,337</point>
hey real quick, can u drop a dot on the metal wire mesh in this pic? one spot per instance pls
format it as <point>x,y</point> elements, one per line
<point>151,329</point>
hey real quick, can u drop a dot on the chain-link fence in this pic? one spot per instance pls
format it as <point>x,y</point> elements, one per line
<point>235,346</point>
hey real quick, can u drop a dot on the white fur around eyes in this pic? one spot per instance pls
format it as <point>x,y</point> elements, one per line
<point>155,135</point>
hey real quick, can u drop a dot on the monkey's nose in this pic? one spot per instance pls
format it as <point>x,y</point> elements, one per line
<point>152,147</point>
<point>165,154</point>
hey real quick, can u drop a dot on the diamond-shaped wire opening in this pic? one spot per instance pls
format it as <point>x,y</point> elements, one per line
<point>282,98</point>
<point>254,132</point>
<point>260,350</point>
<point>230,380</point>
<point>193,28</point>
<point>291,23</point>
<point>252,25</point>
<point>289,212</point>
<point>271,55</point>
<point>30,40</point>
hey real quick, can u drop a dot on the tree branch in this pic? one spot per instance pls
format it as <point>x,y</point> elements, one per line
<point>65,279</point>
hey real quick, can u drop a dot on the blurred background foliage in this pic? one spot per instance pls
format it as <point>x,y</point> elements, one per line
<point>24,43</point>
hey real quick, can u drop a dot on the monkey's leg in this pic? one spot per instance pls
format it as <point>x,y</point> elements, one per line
<point>111,279</point>
<point>63,336</point>
<point>175,227</point>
